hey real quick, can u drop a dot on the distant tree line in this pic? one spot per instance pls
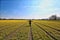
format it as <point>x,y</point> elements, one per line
<point>53,17</point>
<point>2,18</point>
<point>11,19</point>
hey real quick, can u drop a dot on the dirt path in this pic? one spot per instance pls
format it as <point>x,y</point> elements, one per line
<point>30,32</point>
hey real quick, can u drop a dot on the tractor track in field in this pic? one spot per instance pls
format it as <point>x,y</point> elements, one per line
<point>12,33</point>
<point>40,37</point>
<point>46,32</point>
<point>5,28</point>
<point>2,27</point>
<point>30,33</point>
<point>50,27</point>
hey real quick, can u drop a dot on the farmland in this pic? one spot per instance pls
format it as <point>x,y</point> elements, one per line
<point>21,30</point>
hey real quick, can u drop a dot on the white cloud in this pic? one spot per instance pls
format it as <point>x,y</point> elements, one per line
<point>45,4</point>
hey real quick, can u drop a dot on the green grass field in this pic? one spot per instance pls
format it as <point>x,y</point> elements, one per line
<point>20,30</point>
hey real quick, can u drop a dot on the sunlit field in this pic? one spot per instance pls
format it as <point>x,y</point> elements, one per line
<point>21,30</point>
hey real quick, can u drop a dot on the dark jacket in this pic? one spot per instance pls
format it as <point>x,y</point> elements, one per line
<point>30,22</point>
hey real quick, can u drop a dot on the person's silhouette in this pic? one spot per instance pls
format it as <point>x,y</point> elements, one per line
<point>30,22</point>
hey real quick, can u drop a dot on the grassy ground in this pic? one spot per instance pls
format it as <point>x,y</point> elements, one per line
<point>20,30</point>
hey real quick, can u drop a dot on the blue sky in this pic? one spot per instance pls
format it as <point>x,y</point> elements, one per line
<point>29,9</point>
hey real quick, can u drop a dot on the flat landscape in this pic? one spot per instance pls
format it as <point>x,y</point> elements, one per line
<point>21,30</point>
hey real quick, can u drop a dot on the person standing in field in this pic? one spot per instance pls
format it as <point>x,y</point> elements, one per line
<point>30,22</point>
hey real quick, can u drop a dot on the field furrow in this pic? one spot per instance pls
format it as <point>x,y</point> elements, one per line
<point>29,30</point>
<point>47,32</point>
